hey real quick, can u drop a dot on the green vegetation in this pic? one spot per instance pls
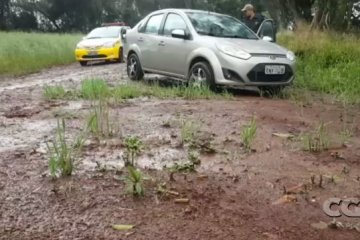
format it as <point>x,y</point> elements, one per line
<point>188,131</point>
<point>62,155</point>
<point>135,90</point>
<point>135,178</point>
<point>100,122</point>
<point>327,62</point>
<point>135,182</point>
<point>318,140</point>
<point>98,89</point>
<point>23,53</point>
<point>189,166</point>
<point>248,134</point>
<point>54,92</point>
<point>94,89</point>
<point>133,148</point>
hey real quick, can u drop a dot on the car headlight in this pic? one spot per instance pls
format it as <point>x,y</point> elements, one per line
<point>234,51</point>
<point>110,44</point>
<point>79,45</point>
<point>291,56</point>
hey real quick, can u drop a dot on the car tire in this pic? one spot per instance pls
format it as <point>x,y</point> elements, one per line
<point>271,90</point>
<point>133,68</point>
<point>201,74</point>
<point>83,63</point>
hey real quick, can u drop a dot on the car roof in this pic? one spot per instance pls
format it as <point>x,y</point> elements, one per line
<point>183,10</point>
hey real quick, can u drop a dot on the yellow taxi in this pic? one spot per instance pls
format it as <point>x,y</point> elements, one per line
<point>101,44</point>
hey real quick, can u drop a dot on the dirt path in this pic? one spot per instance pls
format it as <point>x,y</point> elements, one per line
<point>233,195</point>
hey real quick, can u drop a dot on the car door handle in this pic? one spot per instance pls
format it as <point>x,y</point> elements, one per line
<point>140,39</point>
<point>162,43</point>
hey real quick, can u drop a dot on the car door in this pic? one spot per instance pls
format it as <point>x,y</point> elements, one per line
<point>148,39</point>
<point>173,51</point>
<point>267,30</point>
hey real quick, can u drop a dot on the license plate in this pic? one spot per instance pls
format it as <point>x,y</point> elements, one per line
<point>92,53</point>
<point>274,69</point>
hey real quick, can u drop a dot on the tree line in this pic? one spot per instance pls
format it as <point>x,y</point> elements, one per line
<point>83,15</point>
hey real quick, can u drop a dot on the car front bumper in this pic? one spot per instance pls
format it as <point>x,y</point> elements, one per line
<point>82,54</point>
<point>231,71</point>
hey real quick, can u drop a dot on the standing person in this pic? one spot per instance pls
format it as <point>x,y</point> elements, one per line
<point>251,18</point>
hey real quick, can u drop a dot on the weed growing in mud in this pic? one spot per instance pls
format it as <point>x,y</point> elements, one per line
<point>62,155</point>
<point>135,178</point>
<point>190,166</point>
<point>133,148</point>
<point>345,136</point>
<point>99,122</point>
<point>188,131</point>
<point>94,89</point>
<point>54,92</point>
<point>135,182</point>
<point>248,134</point>
<point>317,141</point>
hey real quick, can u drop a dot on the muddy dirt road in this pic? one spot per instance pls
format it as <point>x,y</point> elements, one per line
<point>275,192</point>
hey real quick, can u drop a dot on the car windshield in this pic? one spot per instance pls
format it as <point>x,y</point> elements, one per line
<point>221,26</point>
<point>104,32</point>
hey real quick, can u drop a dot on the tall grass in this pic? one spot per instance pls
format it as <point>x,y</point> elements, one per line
<point>22,53</point>
<point>327,62</point>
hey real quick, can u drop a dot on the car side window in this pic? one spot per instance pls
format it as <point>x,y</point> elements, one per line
<point>153,25</point>
<point>174,21</point>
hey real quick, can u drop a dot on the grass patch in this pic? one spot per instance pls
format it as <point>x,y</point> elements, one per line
<point>188,131</point>
<point>248,134</point>
<point>135,90</point>
<point>318,140</point>
<point>62,154</point>
<point>23,53</point>
<point>327,62</point>
<point>94,89</point>
<point>54,92</point>
<point>99,122</point>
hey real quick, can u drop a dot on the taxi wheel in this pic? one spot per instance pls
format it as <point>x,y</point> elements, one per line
<point>134,69</point>
<point>83,63</point>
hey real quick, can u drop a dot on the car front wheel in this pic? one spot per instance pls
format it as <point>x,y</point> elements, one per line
<point>201,75</point>
<point>134,69</point>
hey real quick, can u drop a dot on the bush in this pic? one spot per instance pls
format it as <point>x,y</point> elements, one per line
<point>327,62</point>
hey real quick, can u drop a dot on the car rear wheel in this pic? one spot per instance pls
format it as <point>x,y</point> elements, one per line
<point>201,75</point>
<point>83,63</point>
<point>134,69</point>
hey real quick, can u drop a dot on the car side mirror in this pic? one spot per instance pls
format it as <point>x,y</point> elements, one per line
<point>123,33</point>
<point>267,39</point>
<point>179,33</point>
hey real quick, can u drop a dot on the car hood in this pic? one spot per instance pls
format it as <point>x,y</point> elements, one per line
<point>253,46</point>
<point>96,42</point>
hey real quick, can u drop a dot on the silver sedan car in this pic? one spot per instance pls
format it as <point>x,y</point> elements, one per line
<point>206,48</point>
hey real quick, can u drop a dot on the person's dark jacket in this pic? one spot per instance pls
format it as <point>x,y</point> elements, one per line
<point>254,23</point>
